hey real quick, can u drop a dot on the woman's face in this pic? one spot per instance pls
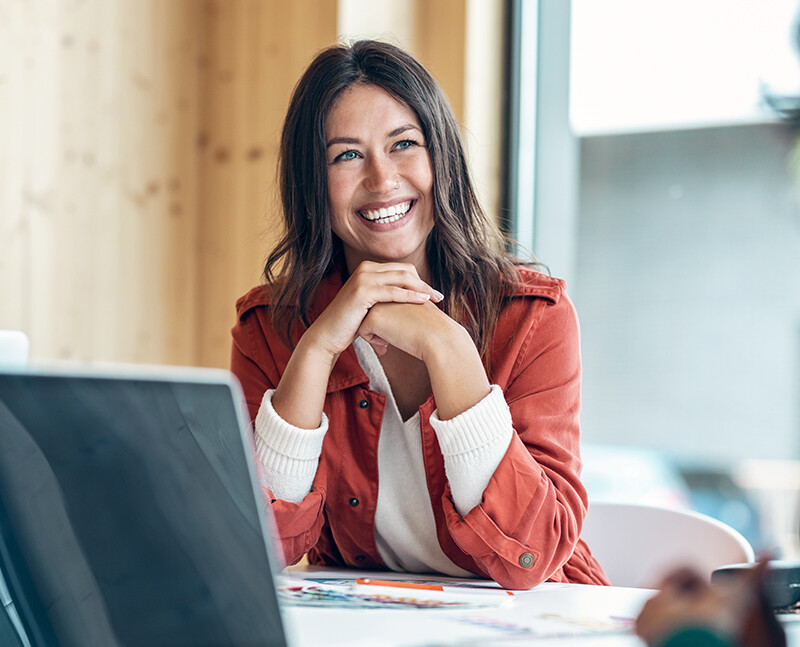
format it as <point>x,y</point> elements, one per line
<point>380,178</point>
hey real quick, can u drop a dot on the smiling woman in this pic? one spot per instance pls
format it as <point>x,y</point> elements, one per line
<point>395,336</point>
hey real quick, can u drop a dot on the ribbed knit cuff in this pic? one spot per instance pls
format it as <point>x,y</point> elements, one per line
<point>473,443</point>
<point>486,423</point>
<point>289,455</point>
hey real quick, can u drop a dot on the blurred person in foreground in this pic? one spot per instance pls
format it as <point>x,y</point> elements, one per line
<point>689,611</point>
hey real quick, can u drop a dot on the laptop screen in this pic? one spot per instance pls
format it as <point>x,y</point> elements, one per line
<point>128,513</point>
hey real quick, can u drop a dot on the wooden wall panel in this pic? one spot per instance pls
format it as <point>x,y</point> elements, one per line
<point>484,99</point>
<point>137,150</point>
<point>17,92</point>
<point>100,191</point>
<point>434,32</point>
<point>394,22</point>
<point>441,29</point>
<point>155,226</point>
<point>254,52</point>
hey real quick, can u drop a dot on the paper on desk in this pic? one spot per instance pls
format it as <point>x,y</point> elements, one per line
<point>490,586</point>
<point>344,593</point>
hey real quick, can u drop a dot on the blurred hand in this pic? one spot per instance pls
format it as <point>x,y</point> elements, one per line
<point>739,609</point>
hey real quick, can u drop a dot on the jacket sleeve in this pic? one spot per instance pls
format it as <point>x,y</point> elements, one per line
<point>253,363</point>
<point>530,518</point>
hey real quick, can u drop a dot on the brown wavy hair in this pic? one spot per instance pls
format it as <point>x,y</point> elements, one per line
<point>467,252</point>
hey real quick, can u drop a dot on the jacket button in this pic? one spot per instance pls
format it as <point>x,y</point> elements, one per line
<point>526,560</point>
<point>363,404</point>
<point>353,501</point>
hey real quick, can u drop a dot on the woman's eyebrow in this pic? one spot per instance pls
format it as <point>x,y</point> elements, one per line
<point>354,140</point>
<point>343,140</point>
<point>401,129</point>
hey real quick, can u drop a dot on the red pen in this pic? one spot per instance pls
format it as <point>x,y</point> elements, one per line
<point>426,587</point>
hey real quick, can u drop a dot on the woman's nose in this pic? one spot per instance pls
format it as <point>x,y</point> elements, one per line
<point>381,175</point>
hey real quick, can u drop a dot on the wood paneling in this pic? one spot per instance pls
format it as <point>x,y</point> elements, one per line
<point>253,54</point>
<point>137,151</point>
<point>440,46</point>
<point>484,99</point>
<point>98,184</point>
<point>138,143</point>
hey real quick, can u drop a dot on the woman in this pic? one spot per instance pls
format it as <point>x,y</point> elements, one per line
<point>415,395</point>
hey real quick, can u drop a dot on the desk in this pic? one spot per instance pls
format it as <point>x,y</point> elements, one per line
<point>550,614</point>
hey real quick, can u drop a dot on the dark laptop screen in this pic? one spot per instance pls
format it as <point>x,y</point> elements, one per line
<point>128,514</point>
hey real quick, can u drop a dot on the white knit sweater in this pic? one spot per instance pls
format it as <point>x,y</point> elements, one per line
<point>472,443</point>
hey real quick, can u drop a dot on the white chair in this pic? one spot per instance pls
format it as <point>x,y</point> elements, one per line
<point>14,347</point>
<point>637,544</point>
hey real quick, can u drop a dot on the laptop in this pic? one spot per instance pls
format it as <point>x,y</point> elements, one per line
<point>130,512</point>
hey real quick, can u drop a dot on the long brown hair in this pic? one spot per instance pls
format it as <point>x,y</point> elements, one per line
<point>466,251</point>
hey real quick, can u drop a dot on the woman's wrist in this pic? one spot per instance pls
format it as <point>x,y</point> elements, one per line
<point>300,394</point>
<point>445,339</point>
<point>310,350</point>
<point>458,378</point>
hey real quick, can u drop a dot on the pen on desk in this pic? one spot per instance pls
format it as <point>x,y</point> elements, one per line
<point>426,587</point>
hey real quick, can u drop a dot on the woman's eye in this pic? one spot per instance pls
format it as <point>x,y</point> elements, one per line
<point>346,156</point>
<point>406,143</point>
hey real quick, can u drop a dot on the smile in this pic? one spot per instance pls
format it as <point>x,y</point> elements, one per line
<point>387,214</point>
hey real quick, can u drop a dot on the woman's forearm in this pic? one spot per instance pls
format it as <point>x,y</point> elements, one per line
<point>300,394</point>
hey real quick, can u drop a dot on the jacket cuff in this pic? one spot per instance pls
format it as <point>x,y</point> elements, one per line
<point>473,443</point>
<point>288,455</point>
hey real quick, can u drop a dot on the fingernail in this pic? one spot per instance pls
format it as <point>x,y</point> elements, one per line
<point>438,295</point>
<point>424,295</point>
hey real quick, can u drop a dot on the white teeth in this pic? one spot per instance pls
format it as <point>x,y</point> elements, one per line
<point>387,214</point>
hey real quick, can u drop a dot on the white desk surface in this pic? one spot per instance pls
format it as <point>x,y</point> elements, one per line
<point>550,614</point>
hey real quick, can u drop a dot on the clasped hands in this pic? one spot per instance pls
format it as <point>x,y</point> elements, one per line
<point>385,304</point>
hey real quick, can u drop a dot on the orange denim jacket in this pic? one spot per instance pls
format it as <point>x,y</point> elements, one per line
<point>526,529</point>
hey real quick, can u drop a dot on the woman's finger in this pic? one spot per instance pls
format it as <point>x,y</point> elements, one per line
<point>402,275</point>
